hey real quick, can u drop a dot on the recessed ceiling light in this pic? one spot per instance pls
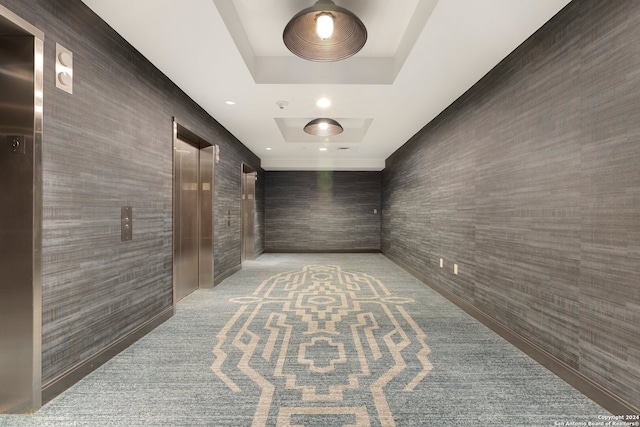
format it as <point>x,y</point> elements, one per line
<point>323,103</point>
<point>268,148</point>
<point>230,103</point>
<point>323,148</point>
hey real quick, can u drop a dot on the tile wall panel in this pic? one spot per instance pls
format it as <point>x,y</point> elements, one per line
<point>108,145</point>
<point>530,182</point>
<point>322,211</point>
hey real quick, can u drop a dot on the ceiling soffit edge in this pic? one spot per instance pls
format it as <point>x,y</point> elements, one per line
<point>354,70</point>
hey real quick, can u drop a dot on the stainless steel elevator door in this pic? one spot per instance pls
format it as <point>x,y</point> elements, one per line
<point>248,215</point>
<point>21,88</point>
<point>186,219</point>
<point>16,220</point>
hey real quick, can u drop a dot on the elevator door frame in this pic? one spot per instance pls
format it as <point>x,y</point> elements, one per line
<point>205,201</point>
<point>247,213</point>
<point>22,294</point>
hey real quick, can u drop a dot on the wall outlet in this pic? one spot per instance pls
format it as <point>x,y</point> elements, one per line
<point>441,263</point>
<point>455,268</point>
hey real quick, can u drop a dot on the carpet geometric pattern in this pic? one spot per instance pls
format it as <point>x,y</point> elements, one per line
<point>318,340</point>
<point>324,332</point>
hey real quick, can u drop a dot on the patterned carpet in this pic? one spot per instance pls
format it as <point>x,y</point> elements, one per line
<point>318,340</point>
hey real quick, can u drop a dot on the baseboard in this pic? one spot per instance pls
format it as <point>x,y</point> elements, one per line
<point>57,385</point>
<point>322,251</point>
<point>599,394</point>
<point>220,277</point>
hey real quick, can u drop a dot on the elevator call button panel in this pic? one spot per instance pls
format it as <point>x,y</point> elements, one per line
<point>126,223</point>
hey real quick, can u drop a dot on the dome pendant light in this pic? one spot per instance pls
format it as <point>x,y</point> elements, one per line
<point>323,127</point>
<point>325,32</point>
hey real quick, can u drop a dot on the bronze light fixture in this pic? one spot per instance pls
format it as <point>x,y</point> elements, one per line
<point>323,127</point>
<point>325,32</point>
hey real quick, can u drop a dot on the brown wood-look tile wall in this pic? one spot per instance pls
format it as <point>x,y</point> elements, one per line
<point>530,182</point>
<point>322,211</point>
<point>108,145</point>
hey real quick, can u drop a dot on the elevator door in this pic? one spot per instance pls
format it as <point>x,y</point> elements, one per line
<point>20,214</point>
<point>248,215</point>
<point>193,213</point>
<point>186,256</point>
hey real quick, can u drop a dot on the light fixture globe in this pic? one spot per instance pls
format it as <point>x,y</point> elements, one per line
<point>347,37</point>
<point>323,127</point>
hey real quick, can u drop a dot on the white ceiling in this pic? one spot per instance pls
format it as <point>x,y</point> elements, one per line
<point>420,56</point>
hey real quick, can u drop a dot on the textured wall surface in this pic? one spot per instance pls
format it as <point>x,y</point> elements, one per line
<point>322,211</point>
<point>228,200</point>
<point>108,145</point>
<point>530,182</point>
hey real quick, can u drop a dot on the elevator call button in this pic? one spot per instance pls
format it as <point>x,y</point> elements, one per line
<point>15,144</point>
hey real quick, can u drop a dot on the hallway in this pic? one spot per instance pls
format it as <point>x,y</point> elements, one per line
<point>318,340</point>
